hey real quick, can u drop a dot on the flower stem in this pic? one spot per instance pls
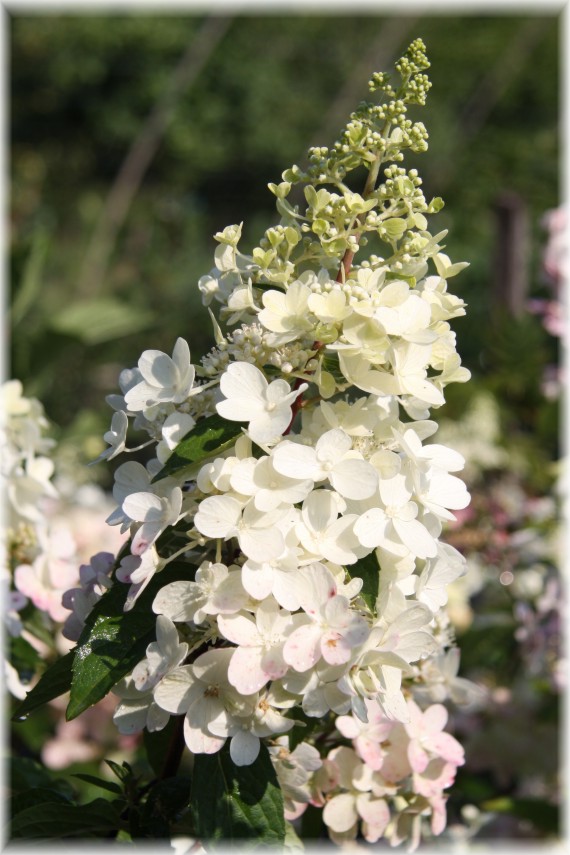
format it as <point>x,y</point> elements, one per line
<point>348,256</point>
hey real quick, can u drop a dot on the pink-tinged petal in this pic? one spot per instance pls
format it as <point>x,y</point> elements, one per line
<point>447,747</point>
<point>334,648</point>
<point>315,586</point>
<point>245,671</point>
<point>340,813</point>
<point>438,815</point>
<point>273,664</point>
<point>302,649</point>
<point>435,718</point>
<point>437,777</point>
<point>239,629</point>
<point>376,814</point>
<point>417,756</point>
<point>244,748</point>
<point>370,752</point>
<point>348,726</point>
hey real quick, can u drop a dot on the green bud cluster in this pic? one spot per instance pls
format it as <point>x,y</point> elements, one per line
<point>336,221</point>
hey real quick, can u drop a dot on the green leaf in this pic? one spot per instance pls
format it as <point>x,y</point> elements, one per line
<point>114,641</point>
<point>35,796</point>
<point>158,742</point>
<point>237,803</point>
<point>27,774</point>
<point>99,782</point>
<point>54,682</point>
<point>24,657</point>
<point>98,321</point>
<point>166,803</point>
<point>368,570</point>
<point>44,821</point>
<point>209,437</point>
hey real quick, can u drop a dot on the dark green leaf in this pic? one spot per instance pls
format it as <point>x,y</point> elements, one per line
<point>43,821</point>
<point>99,782</point>
<point>165,804</point>
<point>368,570</point>
<point>23,657</point>
<point>55,682</point>
<point>123,771</point>
<point>113,641</point>
<point>209,437</point>
<point>27,774</point>
<point>158,742</point>
<point>35,796</point>
<point>237,803</point>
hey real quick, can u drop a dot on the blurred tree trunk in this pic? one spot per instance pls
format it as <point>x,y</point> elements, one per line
<point>510,285</point>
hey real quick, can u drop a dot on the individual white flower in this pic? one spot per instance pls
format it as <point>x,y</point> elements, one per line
<point>319,690</point>
<point>202,691</point>
<point>333,628</point>
<point>272,577</point>
<point>294,770</point>
<point>269,488</point>
<point>401,313</point>
<point>396,522</point>
<point>250,398</point>
<point>441,680</point>
<point>324,534</point>
<point>286,314</point>
<point>258,533</point>
<point>162,656</point>
<point>332,459</point>
<point>439,572</point>
<point>116,436</point>
<point>156,514</point>
<point>137,571</point>
<point>164,379</point>
<point>331,307</point>
<point>30,486</point>
<point>259,655</point>
<point>245,731</point>
<point>137,710</point>
<point>216,590</point>
<point>130,477</point>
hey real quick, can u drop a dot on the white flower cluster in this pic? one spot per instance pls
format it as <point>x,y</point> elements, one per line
<point>316,574</point>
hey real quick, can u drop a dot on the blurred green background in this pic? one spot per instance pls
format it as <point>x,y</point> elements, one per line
<point>107,247</point>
